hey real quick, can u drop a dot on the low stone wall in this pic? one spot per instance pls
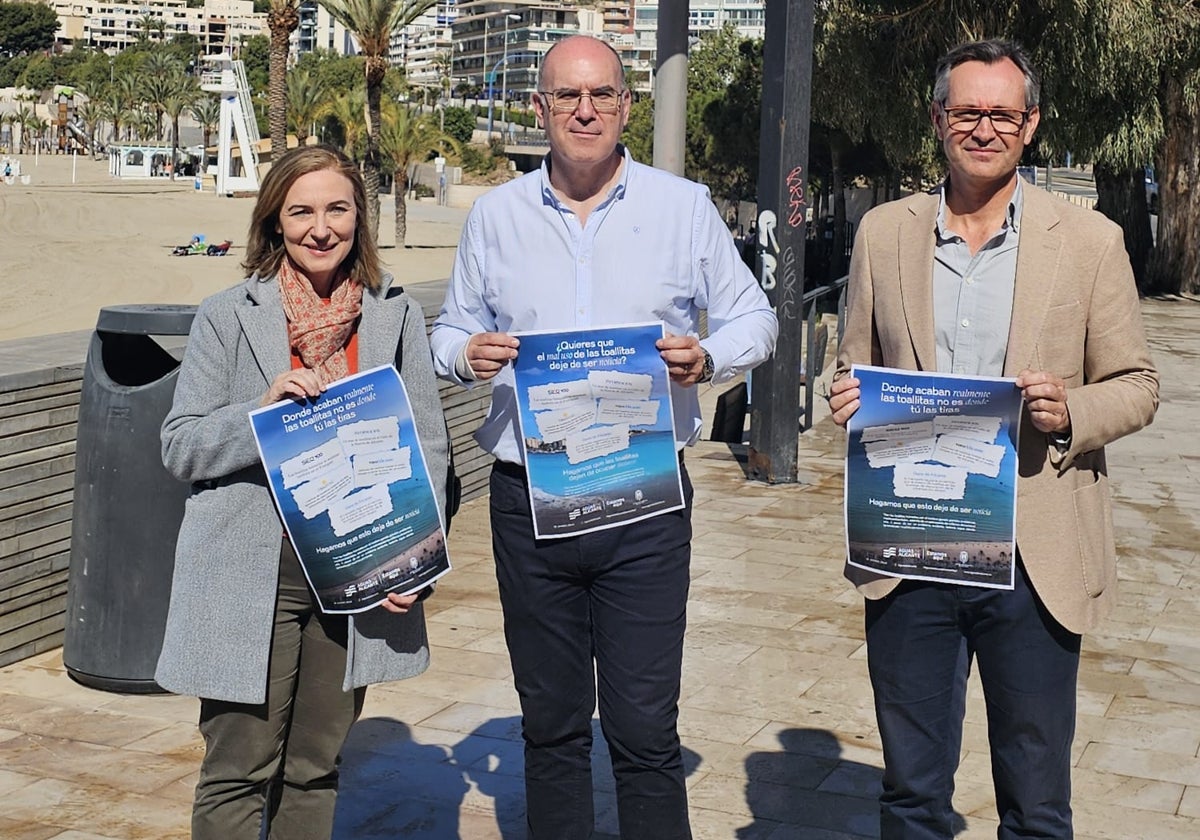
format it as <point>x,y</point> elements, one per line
<point>39,405</point>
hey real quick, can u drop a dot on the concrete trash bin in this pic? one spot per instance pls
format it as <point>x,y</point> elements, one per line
<point>127,508</point>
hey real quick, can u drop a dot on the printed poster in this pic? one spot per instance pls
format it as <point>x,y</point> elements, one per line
<point>595,415</point>
<point>350,482</point>
<point>931,477</point>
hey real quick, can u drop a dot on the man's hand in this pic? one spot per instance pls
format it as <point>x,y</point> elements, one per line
<point>684,358</point>
<point>1045,396</point>
<point>488,352</point>
<point>844,399</point>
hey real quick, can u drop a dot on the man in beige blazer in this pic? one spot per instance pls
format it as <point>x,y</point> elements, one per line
<point>988,277</point>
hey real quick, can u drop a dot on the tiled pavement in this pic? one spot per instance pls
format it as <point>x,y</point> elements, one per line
<point>776,712</point>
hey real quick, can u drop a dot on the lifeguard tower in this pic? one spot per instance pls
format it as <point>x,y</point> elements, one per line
<point>238,129</point>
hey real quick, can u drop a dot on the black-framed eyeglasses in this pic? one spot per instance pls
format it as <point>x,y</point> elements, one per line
<point>1004,120</point>
<point>605,100</point>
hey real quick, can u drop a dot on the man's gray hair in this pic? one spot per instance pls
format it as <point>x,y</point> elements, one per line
<point>989,52</point>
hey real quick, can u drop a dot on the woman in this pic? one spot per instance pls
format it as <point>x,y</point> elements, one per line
<point>280,682</point>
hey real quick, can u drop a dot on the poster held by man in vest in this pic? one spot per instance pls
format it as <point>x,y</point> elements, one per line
<point>931,477</point>
<point>598,427</point>
<point>350,482</point>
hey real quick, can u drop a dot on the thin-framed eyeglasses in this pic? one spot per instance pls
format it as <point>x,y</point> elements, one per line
<point>1004,120</point>
<point>605,100</point>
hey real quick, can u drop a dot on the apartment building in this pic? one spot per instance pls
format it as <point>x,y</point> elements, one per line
<point>111,25</point>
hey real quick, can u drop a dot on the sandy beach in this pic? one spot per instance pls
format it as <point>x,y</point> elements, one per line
<point>67,249</point>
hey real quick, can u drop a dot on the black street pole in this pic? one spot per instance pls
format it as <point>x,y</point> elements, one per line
<point>782,202</point>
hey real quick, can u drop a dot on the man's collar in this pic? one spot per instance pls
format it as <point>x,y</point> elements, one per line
<point>1012,219</point>
<point>549,196</point>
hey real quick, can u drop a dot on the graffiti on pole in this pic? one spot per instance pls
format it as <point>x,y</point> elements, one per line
<point>777,266</point>
<point>795,185</point>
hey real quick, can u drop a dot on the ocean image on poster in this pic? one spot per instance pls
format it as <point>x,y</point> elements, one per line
<point>350,482</point>
<point>931,472</point>
<point>597,426</point>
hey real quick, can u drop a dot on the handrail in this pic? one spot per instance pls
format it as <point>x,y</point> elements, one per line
<point>812,298</point>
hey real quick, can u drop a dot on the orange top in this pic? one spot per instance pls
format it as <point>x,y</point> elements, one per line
<point>351,348</point>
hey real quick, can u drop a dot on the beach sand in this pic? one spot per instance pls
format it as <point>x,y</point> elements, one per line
<point>67,249</point>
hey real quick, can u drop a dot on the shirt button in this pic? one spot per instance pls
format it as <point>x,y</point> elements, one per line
<point>966,322</point>
<point>969,280</point>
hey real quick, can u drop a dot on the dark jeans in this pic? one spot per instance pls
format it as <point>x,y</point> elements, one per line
<point>921,640</point>
<point>606,611</point>
<point>281,757</point>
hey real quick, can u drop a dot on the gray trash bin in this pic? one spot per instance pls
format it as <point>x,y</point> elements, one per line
<point>127,508</point>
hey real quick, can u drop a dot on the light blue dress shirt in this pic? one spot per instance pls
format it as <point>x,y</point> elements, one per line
<point>655,249</point>
<point>973,294</point>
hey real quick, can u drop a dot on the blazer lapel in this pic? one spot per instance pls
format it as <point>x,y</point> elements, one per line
<point>379,331</point>
<point>265,327</point>
<point>1037,273</point>
<point>916,252</point>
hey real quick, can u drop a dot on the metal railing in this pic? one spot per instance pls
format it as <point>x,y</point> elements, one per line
<point>243,92</point>
<point>811,301</point>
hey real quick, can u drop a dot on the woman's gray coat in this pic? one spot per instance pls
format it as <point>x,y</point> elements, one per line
<point>218,632</point>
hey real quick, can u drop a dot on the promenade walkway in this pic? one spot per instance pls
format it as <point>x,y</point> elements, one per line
<point>776,709</point>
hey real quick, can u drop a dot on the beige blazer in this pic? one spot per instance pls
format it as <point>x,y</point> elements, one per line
<point>1075,314</point>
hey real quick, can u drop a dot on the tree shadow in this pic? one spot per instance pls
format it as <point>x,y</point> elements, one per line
<point>393,786</point>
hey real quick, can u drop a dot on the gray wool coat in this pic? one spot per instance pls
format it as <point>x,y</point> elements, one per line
<point>221,615</point>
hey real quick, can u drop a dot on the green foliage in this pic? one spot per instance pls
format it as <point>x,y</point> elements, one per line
<point>477,159</point>
<point>459,124</point>
<point>26,28</point>
<point>639,131</point>
<point>333,71</point>
<point>255,53</point>
<point>423,191</point>
<point>38,73</point>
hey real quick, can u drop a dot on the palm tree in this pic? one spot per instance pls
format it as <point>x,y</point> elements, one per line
<point>348,110</point>
<point>372,23</point>
<point>183,93</point>
<point>90,113</point>
<point>7,118</point>
<point>207,112</point>
<point>408,137</point>
<point>23,119</point>
<point>36,126</point>
<point>160,76</point>
<point>307,100</point>
<point>282,19</point>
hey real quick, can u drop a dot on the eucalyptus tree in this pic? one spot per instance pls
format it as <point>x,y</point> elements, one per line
<point>408,136</point>
<point>372,23</point>
<point>283,16</point>
<point>308,101</point>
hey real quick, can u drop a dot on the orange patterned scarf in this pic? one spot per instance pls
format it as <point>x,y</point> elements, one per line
<point>318,331</point>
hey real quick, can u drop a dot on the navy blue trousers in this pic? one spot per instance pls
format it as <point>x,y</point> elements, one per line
<point>921,641</point>
<point>598,613</point>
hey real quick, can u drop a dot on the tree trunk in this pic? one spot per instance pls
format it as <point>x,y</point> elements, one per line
<point>1122,197</point>
<point>1175,266</point>
<point>375,68</point>
<point>281,22</point>
<point>399,190</point>
<point>837,247</point>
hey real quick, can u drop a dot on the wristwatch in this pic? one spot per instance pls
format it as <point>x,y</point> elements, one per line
<point>709,368</point>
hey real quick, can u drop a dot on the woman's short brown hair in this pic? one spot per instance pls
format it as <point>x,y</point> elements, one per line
<point>264,244</point>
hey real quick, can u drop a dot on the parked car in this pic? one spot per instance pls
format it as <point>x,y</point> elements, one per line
<point>1151,191</point>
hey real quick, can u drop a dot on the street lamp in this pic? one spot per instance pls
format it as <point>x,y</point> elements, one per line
<point>503,62</point>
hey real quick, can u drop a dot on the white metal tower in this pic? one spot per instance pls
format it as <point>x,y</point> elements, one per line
<point>227,77</point>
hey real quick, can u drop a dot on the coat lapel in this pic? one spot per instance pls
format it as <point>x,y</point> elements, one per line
<point>379,333</point>
<point>916,250</point>
<point>265,327</point>
<point>1037,273</point>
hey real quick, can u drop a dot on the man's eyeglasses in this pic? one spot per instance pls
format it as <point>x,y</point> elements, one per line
<point>1004,120</point>
<point>604,100</point>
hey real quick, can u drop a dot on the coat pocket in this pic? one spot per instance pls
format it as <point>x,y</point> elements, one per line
<point>1097,545</point>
